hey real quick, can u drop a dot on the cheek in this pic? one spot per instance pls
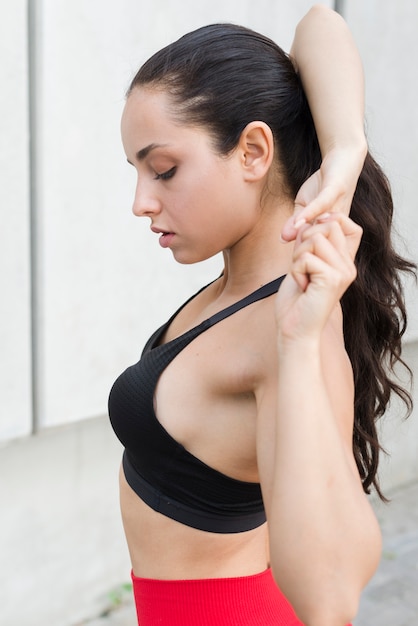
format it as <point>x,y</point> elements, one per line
<point>217,202</point>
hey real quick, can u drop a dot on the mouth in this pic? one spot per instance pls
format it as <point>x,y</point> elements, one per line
<point>165,236</point>
<point>166,239</point>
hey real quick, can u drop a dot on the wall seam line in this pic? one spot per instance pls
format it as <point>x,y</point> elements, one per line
<point>33,206</point>
<point>339,6</point>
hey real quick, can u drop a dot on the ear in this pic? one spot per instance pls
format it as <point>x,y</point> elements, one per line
<point>256,146</point>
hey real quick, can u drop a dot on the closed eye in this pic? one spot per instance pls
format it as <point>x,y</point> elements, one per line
<point>166,175</point>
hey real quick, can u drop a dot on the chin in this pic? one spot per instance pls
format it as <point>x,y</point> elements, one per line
<point>185,258</point>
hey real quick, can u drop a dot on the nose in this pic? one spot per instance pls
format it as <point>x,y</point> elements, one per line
<point>145,201</point>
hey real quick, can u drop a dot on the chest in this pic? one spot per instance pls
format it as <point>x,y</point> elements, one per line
<point>205,397</point>
<point>193,391</point>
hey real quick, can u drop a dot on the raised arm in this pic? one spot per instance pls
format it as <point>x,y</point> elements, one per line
<point>329,64</point>
<point>324,538</point>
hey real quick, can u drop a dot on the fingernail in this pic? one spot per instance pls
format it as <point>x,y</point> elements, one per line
<point>323,217</point>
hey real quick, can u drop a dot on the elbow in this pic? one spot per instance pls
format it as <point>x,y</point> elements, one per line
<point>322,604</point>
<point>313,22</point>
<point>329,593</point>
<point>320,8</point>
<point>326,616</point>
<point>323,12</point>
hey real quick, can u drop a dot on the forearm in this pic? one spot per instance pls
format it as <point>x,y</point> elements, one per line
<point>323,534</point>
<point>331,71</point>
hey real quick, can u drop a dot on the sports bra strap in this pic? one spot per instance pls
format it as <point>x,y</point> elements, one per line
<point>263,292</point>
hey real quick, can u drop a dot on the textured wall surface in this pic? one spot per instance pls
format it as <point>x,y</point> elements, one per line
<point>102,279</point>
<point>15,360</point>
<point>386,36</point>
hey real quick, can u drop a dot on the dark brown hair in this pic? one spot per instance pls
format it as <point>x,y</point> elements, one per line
<point>223,77</point>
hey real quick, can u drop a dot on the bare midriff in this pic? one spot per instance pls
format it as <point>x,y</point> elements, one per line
<point>162,548</point>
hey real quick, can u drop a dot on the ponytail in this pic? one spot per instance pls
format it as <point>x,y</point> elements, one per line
<point>374,318</point>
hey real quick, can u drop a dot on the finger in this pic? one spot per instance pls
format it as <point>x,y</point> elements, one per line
<point>336,257</point>
<point>331,280</point>
<point>351,230</point>
<point>325,201</point>
<point>329,200</point>
<point>328,242</point>
<point>342,232</point>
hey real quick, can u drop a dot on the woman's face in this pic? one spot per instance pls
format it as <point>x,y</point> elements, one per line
<point>197,201</point>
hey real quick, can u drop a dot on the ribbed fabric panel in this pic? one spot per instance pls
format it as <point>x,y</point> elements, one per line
<point>243,601</point>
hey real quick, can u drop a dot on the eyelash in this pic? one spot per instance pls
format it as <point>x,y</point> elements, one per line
<point>166,175</point>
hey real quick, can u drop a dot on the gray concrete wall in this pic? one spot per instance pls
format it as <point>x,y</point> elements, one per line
<point>15,312</point>
<point>61,541</point>
<point>100,284</point>
<point>400,435</point>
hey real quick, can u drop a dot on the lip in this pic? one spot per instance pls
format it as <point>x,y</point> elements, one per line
<point>166,236</point>
<point>166,239</point>
<point>159,231</point>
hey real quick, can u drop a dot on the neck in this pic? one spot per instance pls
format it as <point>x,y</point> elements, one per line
<point>260,256</point>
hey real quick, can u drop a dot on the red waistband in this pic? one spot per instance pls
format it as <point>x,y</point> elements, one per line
<point>244,601</point>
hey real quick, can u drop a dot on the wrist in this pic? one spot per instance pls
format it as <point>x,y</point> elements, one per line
<point>352,149</point>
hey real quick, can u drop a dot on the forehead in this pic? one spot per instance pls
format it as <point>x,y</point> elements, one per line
<point>149,118</point>
<point>144,107</point>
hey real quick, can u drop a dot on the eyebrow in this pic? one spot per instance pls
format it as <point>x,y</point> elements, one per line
<point>143,153</point>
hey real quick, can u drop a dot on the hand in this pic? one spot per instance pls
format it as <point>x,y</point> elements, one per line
<point>322,269</point>
<point>329,189</point>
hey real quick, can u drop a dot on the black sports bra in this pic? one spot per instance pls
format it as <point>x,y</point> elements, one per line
<point>161,471</point>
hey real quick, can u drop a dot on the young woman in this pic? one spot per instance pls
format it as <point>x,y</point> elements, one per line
<point>249,422</point>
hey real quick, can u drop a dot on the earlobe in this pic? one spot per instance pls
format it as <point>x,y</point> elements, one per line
<point>257,150</point>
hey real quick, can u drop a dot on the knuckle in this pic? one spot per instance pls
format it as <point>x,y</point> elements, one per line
<point>353,273</point>
<point>350,274</point>
<point>359,230</point>
<point>335,227</point>
<point>318,238</point>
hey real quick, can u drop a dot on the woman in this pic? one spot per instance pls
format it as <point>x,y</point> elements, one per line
<point>244,407</point>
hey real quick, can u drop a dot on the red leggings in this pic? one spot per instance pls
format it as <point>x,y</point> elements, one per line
<point>244,601</point>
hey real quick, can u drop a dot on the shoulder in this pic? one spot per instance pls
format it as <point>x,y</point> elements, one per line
<point>240,350</point>
<point>254,339</point>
